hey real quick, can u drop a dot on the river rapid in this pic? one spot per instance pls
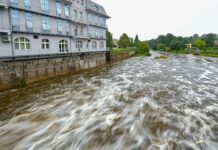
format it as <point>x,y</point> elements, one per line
<point>137,104</point>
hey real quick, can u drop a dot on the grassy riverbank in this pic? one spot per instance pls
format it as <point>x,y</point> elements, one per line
<point>121,50</point>
<point>208,53</point>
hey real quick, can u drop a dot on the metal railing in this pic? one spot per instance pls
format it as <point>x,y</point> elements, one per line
<point>40,30</point>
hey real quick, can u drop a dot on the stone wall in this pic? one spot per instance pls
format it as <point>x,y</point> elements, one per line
<point>22,72</point>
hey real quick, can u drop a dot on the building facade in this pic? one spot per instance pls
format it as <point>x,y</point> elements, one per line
<point>43,27</point>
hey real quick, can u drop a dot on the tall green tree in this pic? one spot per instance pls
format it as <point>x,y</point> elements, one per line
<point>109,39</point>
<point>177,45</point>
<point>124,41</point>
<point>210,39</point>
<point>136,40</point>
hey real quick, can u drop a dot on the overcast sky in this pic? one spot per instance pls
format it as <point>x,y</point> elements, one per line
<point>150,18</point>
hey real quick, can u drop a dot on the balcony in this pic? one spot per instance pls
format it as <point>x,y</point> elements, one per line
<point>39,30</point>
<point>98,25</point>
<point>81,36</point>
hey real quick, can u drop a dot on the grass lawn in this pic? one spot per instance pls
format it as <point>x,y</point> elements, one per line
<point>120,50</point>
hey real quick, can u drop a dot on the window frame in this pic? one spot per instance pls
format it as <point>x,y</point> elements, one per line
<point>45,44</point>
<point>94,45</point>
<point>44,5</point>
<point>58,8</point>
<point>15,19</point>
<point>63,46</point>
<point>46,23</point>
<point>28,20</point>
<point>27,4</point>
<point>22,42</point>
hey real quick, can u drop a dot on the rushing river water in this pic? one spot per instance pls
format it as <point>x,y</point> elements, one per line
<point>140,103</point>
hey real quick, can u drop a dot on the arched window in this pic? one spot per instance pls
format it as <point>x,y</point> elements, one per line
<point>45,44</point>
<point>22,43</point>
<point>63,46</point>
<point>94,44</point>
<point>101,45</point>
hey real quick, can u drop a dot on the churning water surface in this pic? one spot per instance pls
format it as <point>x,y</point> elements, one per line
<point>140,103</point>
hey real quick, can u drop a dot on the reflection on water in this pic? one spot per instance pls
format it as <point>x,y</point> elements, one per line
<point>141,103</point>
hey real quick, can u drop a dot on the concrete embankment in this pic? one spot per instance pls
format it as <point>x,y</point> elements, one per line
<point>20,72</point>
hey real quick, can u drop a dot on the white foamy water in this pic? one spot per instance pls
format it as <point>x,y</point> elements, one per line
<point>141,103</point>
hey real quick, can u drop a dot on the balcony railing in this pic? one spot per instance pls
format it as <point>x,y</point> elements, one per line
<point>40,30</point>
<point>97,24</point>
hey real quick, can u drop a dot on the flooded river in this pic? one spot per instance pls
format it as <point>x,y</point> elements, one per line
<point>137,104</point>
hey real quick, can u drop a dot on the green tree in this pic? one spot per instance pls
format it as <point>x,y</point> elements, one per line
<point>109,39</point>
<point>124,41</point>
<point>131,42</point>
<point>161,46</point>
<point>200,43</point>
<point>143,48</point>
<point>210,39</point>
<point>136,40</point>
<point>177,45</point>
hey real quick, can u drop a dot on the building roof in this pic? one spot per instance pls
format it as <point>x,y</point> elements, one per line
<point>96,8</point>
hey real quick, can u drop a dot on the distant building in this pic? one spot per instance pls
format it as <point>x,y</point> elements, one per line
<point>216,43</point>
<point>115,42</point>
<point>42,27</point>
<point>189,46</point>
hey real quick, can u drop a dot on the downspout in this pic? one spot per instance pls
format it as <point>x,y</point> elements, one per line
<point>11,33</point>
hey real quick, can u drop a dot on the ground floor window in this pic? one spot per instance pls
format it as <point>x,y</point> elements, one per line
<point>45,44</point>
<point>101,44</point>
<point>79,44</point>
<point>94,44</point>
<point>22,43</point>
<point>63,46</point>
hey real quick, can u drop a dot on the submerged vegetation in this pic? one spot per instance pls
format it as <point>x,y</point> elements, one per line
<point>161,57</point>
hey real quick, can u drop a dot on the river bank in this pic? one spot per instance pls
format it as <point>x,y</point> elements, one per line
<point>208,53</point>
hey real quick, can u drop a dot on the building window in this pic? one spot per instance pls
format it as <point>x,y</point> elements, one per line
<point>75,14</point>
<point>45,44</point>
<point>67,27</point>
<point>22,44</point>
<point>29,23</point>
<point>60,28</point>
<point>27,4</point>
<point>44,5</point>
<point>14,3</point>
<point>82,2</point>
<point>81,30</point>
<point>67,10</point>
<point>58,6</point>
<point>96,7</point>
<point>81,16</point>
<point>46,24</point>
<point>63,46</point>
<point>79,44</point>
<point>101,45</point>
<point>96,33</point>
<point>94,44</point>
<point>15,20</point>
<point>76,31</point>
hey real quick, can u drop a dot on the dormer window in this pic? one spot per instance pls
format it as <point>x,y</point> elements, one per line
<point>96,8</point>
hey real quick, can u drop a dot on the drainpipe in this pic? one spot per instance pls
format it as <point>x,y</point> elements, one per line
<point>11,33</point>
